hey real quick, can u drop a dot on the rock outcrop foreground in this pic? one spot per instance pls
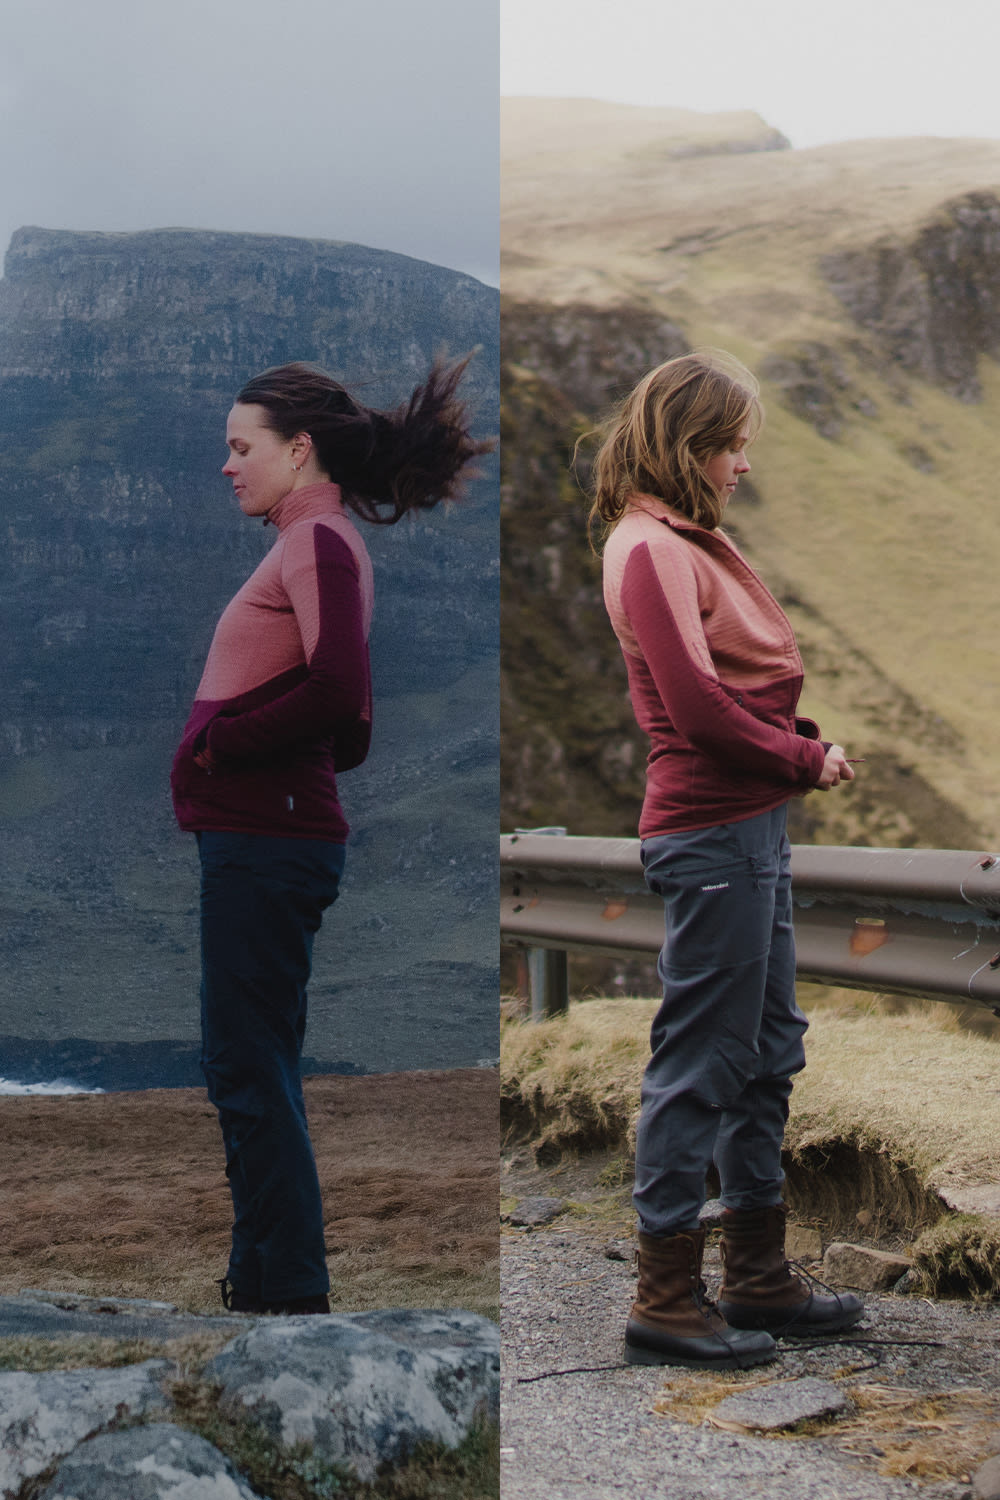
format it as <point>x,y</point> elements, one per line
<point>356,1391</point>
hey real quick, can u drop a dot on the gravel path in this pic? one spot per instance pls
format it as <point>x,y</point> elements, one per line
<point>930,1399</point>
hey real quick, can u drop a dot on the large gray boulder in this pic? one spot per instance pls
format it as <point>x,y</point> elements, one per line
<point>160,1462</point>
<point>364,1388</point>
<point>44,1416</point>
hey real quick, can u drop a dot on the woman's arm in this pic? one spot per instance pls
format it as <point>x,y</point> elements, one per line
<point>670,637</point>
<point>321,577</point>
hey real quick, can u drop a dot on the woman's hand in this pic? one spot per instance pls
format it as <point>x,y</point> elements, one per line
<point>836,768</point>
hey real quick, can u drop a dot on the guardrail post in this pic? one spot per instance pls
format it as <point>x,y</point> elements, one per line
<point>548,968</point>
<point>548,982</point>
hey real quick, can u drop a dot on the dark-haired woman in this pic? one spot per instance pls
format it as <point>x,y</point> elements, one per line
<point>284,703</point>
<point>714,676</point>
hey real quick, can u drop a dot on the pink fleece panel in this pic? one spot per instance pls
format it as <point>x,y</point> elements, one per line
<point>303,608</point>
<point>287,678</point>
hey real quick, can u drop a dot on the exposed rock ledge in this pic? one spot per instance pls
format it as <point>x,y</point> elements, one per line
<point>359,1389</point>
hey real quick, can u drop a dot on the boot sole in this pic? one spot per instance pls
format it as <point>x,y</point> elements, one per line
<point>652,1357</point>
<point>782,1327</point>
<point>727,1359</point>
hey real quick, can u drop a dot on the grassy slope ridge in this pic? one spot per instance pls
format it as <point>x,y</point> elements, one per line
<point>890,1117</point>
<point>875,516</point>
<point>575,1083</point>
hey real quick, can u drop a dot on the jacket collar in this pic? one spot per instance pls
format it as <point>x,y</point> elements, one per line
<point>300,505</point>
<point>661,511</point>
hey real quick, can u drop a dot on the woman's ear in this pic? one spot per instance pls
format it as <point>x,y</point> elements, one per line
<point>300,449</point>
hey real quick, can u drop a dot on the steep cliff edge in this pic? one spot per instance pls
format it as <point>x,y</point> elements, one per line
<point>119,358</point>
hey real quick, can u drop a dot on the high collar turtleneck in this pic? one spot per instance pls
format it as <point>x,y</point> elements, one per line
<point>321,499</point>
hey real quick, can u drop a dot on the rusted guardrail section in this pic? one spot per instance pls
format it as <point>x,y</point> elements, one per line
<point>922,922</point>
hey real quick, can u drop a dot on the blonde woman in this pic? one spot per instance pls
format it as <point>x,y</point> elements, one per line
<point>714,676</point>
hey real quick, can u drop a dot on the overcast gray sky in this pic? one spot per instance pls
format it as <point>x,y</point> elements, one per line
<point>373,121</point>
<point>816,70</point>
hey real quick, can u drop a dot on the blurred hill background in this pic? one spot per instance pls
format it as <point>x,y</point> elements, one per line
<point>120,355</point>
<point>861,282</point>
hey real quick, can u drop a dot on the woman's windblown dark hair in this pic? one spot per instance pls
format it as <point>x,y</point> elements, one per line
<point>386,462</point>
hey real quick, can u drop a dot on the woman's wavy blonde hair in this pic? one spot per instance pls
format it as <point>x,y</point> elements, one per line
<point>659,439</point>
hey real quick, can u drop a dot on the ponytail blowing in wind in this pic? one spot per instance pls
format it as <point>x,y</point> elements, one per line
<point>387,463</point>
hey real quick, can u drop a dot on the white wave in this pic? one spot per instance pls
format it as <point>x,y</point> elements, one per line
<point>59,1087</point>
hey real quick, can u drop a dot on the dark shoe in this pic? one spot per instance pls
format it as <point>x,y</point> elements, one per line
<point>295,1306</point>
<point>672,1321</point>
<point>761,1289</point>
<point>235,1301</point>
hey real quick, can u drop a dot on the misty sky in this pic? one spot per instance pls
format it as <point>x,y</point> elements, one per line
<point>816,70</point>
<point>373,121</point>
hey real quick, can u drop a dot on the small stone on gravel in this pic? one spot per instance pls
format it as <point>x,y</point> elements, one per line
<point>769,1408</point>
<point>532,1212</point>
<point>711,1215</point>
<point>867,1270</point>
<point>803,1242</point>
<point>986,1481</point>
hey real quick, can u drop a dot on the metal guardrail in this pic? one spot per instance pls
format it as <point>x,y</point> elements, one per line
<point>923,922</point>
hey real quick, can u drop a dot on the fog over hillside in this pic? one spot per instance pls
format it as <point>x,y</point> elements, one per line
<point>862,283</point>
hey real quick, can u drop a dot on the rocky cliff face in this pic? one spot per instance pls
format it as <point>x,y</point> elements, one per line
<point>119,359</point>
<point>931,302</point>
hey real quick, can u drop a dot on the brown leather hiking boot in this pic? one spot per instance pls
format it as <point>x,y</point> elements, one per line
<point>672,1321</point>
<point>761,1289</point>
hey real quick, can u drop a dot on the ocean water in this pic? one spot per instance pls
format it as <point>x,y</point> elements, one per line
<point>8,1086</point>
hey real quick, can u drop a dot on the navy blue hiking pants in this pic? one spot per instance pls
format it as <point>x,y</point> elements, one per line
<point>262,902</point>
<point>728,1037</point>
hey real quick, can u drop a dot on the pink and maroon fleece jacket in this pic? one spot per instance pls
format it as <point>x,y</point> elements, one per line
<point>286,692</point>
<point>714,673</point>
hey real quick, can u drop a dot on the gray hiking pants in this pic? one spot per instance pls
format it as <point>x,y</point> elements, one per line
<point>728,1037</point>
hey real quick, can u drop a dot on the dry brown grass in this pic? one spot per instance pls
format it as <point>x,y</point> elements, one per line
<point>913,1084</point>
<point>84,1351</point>
<point>125,1194</point>
<point>891,1111</point>
<point>917,1434</point>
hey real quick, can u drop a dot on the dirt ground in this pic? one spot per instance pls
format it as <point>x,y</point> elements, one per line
<point>125,1194</point>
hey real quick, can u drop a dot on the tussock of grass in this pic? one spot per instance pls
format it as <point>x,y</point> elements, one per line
<point>959,1255</point>
<point>573,1083</point>
<point>892,1109</point>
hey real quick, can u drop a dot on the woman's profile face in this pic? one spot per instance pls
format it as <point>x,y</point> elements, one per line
<point>260,461</point>
<point>724,469</point>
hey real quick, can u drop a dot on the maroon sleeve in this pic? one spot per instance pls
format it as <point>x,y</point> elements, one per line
<point>703,711</point>
<point>332,691</point>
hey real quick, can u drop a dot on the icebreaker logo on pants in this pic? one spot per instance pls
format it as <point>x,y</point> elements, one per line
<point>722,886</point>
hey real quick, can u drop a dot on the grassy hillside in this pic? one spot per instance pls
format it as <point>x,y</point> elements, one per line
<point>860,282</point>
